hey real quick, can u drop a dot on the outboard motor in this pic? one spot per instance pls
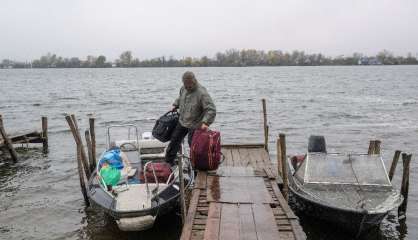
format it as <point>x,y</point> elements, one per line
<point>317,144</point>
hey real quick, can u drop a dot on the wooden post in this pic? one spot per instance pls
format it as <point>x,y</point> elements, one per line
<point>93,139</point>
<point>74,119</point>
<point>406,159</point>
<point>72,122</point>
<point>374,147</point>
<point>394,164</point>
<point>279,159</point>
<point>377,147</point>
<point>182,193</point>
<point>282,139</point>
<point>371,147</point>
<point>45,134</point>
<point>81,175</point>
<point>84,157</point>
<point>266,136</point>
<point>89,150</point>
<point>7,142</point>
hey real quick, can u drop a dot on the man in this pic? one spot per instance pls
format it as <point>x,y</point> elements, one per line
<point>196,110</point>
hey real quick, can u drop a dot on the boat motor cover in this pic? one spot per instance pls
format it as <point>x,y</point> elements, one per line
<point>205,152</point>
<point>164,127</point>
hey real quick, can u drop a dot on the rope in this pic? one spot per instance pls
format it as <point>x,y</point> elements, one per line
<point>362,200</point>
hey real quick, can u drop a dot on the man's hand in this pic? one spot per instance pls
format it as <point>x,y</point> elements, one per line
<point>174,108</point>
<point>204,126</point>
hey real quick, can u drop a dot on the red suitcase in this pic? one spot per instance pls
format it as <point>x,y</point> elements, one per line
<point>205,152</point>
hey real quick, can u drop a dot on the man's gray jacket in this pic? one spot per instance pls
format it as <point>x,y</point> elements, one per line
<point>195,107</point>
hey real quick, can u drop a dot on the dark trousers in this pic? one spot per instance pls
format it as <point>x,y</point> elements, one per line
<point>175,142</point>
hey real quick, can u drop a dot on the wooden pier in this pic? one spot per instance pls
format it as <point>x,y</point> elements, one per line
<point>6,141</point>
<point>241,200</point>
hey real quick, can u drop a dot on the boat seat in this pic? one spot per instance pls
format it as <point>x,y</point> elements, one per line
<point>152,156</point>
<point>151,143</point>
<point>134,197</point>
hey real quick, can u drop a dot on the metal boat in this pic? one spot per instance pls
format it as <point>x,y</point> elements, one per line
<point>352,191</point>
<point>134,203</point>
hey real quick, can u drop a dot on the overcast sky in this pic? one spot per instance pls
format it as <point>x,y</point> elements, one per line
<point>31,28</point>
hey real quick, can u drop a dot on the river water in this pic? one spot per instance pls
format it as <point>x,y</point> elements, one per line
<point>40,195</point>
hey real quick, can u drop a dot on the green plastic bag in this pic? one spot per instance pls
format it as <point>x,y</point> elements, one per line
<point>110,175</point>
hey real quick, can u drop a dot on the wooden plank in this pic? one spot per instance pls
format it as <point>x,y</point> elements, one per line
<point>237,190</point>
<point>236,158</point>
<point>200,182</point>
<point>267,163</point>
<point>294,222</point>
<point>197,234</point>
<point>198,227</point>
<point>256,159</point>
<point>199,221</point>
<point>252,157</point>
<point>228,157</point>
<point>285,228</point>
<point>265,223</point>
<point>24,137</point>
<point>251,145</point>
<point>229,171</point>
<point>245,156</point>
<point>285,235</point>
<point>282,201</point>
<point>279,179</point>
<point>213,222</point>
<point>213,189</point>
<point>188,223</point>
<point>247,227</point>
<point>229,228</point>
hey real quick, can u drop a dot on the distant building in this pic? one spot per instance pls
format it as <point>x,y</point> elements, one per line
<point>369,61</point>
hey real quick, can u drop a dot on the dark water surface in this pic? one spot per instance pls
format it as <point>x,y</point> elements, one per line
<point>40,195</point>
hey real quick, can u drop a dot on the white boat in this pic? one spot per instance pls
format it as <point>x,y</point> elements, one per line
<point>134,203</point>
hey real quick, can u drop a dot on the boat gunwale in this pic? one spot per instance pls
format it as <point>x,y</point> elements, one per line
<point>322,204</point>
<point>137,213</point>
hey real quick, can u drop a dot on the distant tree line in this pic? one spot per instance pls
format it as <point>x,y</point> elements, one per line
<point>229,58</point>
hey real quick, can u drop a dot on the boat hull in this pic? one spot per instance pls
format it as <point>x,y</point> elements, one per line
<point>165,202</point>
<point>351,222</point>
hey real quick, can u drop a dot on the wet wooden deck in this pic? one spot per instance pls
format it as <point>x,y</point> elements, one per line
<point>241,200</point>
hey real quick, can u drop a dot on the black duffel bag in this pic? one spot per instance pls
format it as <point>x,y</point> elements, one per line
<point>164,127</point>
